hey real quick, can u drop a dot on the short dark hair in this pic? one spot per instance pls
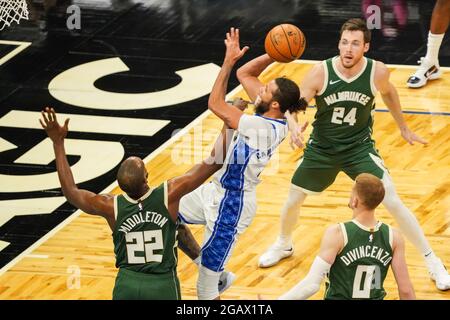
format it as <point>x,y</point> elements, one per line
<point>288,96</point>
<point>130,176</point>
<point>370,190</point>
<point>357,24</point>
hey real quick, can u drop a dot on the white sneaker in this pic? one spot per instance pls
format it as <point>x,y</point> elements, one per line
<point>439,275</point>
<point>275,254</point>
<point>426,71</point>
<point>225,280</point>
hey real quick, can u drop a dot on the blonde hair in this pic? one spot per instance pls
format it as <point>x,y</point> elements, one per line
<point>370,190</point>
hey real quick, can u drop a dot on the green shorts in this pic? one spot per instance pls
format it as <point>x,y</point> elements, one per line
<point>317,170</point>
<point>131,285</point>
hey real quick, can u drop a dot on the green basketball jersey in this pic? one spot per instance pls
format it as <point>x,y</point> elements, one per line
<point>361,267</point>
<point>145,235</point>
<point>344,109</point>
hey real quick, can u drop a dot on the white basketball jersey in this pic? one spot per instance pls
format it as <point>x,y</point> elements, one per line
<point>253,143</point>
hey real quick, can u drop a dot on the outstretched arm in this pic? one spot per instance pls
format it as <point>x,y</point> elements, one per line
<point>216,102</point>
<point>87,201</point>
<point>400,269</point>
<point>248,75</point>
<point>391,99</point>
<point>191,180</point>
<point>187,242</point>
<point>332,244</point>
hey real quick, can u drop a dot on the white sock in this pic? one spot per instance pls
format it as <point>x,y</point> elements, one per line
<point>207,284</point>
<point>433,45</point>
<point>289,215</point>
<point>430,257</point>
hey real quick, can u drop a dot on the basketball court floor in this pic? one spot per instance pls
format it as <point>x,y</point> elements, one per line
<point>135,79</point>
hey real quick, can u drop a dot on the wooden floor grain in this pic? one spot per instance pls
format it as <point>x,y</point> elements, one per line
<point>421,174</point>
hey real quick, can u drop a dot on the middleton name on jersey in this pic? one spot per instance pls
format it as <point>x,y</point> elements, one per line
<point>139,218</point>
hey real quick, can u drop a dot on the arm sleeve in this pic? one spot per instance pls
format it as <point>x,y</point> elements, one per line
<point>258,131</point>
<point>311,283</point>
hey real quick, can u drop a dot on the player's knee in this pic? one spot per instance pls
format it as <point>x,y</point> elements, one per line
<point>207,284</point>
<point>295,197</point>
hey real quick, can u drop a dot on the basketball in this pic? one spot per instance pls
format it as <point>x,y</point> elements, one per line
<point>285,43</point>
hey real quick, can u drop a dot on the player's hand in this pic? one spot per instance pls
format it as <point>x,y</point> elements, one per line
<point>234,51</point>
<point>410,136</point>
<point>240,103</point>
<point>54,130</point>
<point>297,137</point>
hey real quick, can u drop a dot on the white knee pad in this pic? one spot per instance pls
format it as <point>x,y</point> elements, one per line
<point>207,284</point>
<point>296,197</point>
<point>391,199</point>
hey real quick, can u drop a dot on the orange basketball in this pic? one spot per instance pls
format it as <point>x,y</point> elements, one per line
<point>285,43</point>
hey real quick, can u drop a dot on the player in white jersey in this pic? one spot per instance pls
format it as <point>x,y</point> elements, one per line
<point>227,205</point>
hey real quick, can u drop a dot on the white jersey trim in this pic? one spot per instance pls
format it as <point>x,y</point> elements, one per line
<point>344,234</point>
<point>166,195</point>
<point>116,209</point>
<point>375,228</point>
<point>145,196</point>
<point>308,192</point>
<point>342,77</point>
<point>391,237</point>
<point>373,88</point>
<point>325,78</point>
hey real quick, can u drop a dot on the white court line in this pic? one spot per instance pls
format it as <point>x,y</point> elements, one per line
<point>112,186</point>
<point>87,123</point>
<point>37,256</point>
<point>20,47</point>
<point>146,160</point>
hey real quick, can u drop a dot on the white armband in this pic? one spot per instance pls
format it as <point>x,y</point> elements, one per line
<point>311,283</point>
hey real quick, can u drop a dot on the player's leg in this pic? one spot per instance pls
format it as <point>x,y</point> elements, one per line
<point>227,217</point>
<point>407,222</point>
<point>314,174</point>
<point>192,211</point>
<point>410,227</point>
<point>429,66</point>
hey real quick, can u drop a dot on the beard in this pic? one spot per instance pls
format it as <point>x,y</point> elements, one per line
<point>261,107</point>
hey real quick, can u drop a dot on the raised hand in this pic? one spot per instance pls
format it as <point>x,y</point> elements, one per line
<point>297,138</point>
<point>54,130</point>
<point>240,103</point>
<point>234,51</point>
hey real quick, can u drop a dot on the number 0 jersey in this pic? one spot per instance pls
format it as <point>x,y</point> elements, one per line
<point>344,108</point>
<point>145,235</point>
<point>361,267</point>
